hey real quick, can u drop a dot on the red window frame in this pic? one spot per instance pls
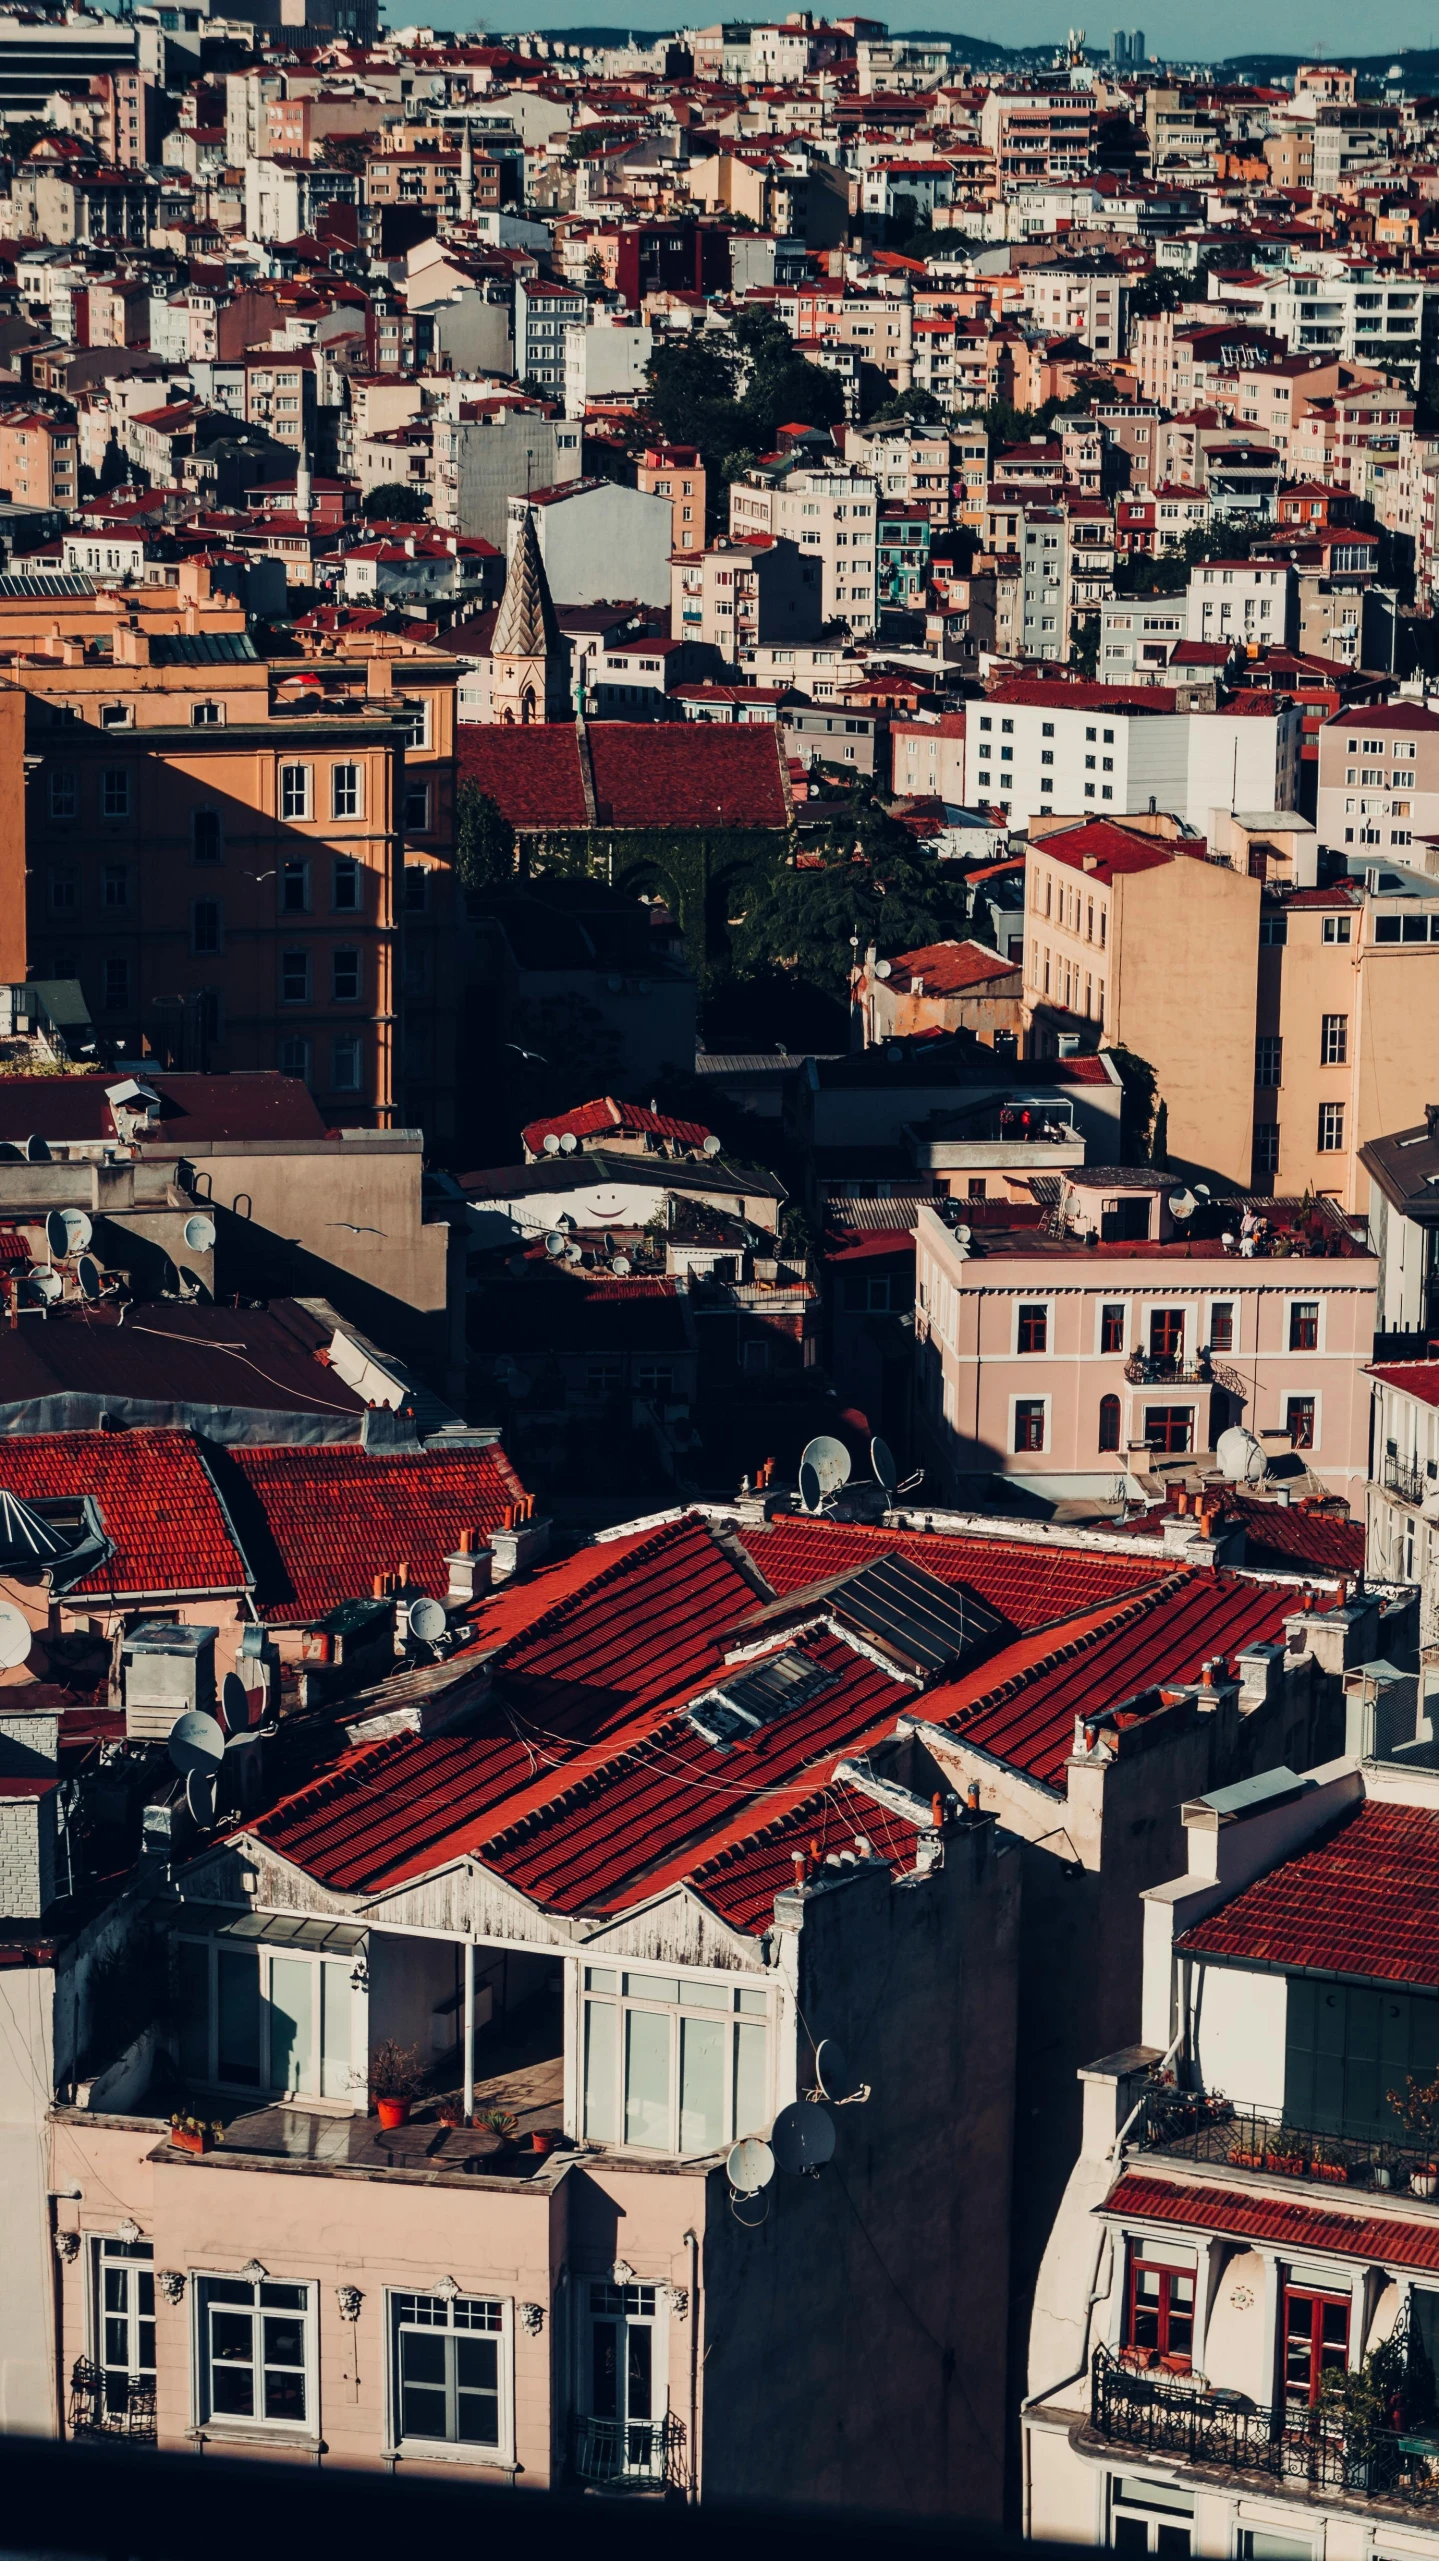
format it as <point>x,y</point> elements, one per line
<point>1109,1421</point>
<point>1310,2337</point>
<point>1304,1325</point>
<point>1029,1422</point>
<point>1161,2327</point>
<point>1166,1333</point>
<point>1032,1329</point>
<point>1299,1421</point>
<point>1221,1325</point>
<point>1111,1328</point>
<point>1169,1428</point>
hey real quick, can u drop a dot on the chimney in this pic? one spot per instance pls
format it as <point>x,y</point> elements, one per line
<point>471,1567</point>
<point>520,1541</point>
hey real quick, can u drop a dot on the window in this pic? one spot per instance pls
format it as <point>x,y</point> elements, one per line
<point>1169,1427</point>
<point>622,2380</point>
<point>1266,1148</point>
<point>205,925</point>
<point>1331,1128</point>
<point>1029,1422</point>
<point>115,792</point>
<point>1304,1324</point>
<point>64,793</point>
<point>1221,1325</point>
<point>295,977</point>
<point>295,888</point>
<point>1274,929</point>
<point>1032,1328</point>
<point>115,715</point>
<point>64,893</point>
<point>254,2350</point>
<point>1338,929</point>
<point>866,1294</point>
<point>1109,1422</point>
<point>1149,2518</point>
<point>416,889</point>
<point>1299,1412</point>
<point>123,2319</point>
<point>117,984</point>
<point>207,715</point>
<point>294,791</point>
<point>417,723</point>
<point>205,839</point>
<point>345,792</point>
<point>345,885</point>
<point>295,1057</point>
<point>1268,1059</point>
<point>673,2064</point>
<point>1316,2342</point>
<point>1166,1333</point>
<point>1334,1040</point>
<point>1161,2310</point>
<point>417,808</point>
<point>450,2372</point>
<point>1111,1328</point>
<point>604,1377</point>
<point>345,1064</point>
<point>344,975</point>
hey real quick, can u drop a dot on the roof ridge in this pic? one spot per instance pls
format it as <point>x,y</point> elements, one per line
<point>562,1609</point>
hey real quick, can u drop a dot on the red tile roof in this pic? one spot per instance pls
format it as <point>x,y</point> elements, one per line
<point>1279,1538</point>
<point>532,775</point>
<point>157,1500</point>
<point>1101,848</point>
<point>1412,1378</point>
<point>1030,1584</point>
<point>1382,2239</point>
<point>948,968</point>
<point>1363,1901</point>
<point>191,1107</point>
<point>687,775</point>
<point>322,1522</point>
<point>598,1118</point>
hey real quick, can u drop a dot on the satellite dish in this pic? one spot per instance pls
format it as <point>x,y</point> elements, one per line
<point>568,1142</point>
<point>46,1283</point>
<point>809,1487</point>
<point>37,1150</point>
<point>551,1143</point>
<point>881,1459</point>
<point>882,968</point>
<point>88,1273</point>
<point>1182,1204</point>
<point>802,2139</point>
<point>1203,1190</point>
<point>574,1253</point>
<point>750,2166</point>
<point>830,1461</point>
<point>200,1797</point>
<point>16,1636</point>
<point>199,1233</point>
<point>963,1234</point>
<point>554,1242</point>
<point>235,1704</point>
<point>197,1741</point>
<point>1241,1458</point>
<point>713,1144</point>
<point>832,2071</point>
<point>67,1231</point>
<point>427,1619</point>
<point>621,1267</point>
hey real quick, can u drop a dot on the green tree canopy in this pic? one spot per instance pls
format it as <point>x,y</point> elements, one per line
<point>871,880</point>
<point>731,395</point>
<point>484,839</point>
<point>392,503</point>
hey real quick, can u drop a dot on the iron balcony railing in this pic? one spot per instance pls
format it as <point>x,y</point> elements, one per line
<point>111,2405</point>
<point>636,2454</point>
<point>1408,1480</point>
<point>1201,2125</point>
<point>1323,2448</point>
<point>1171,1369</point>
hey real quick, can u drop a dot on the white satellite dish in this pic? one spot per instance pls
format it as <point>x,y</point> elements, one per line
<point>881,1459</point>
<point>830,1461</point>
<point>199,1233</point>
<point>713,1144</point>
<point>963,1234</point>
<point>16,1636</point>
<point>89,1276</point>
<point>621,1267</point>
<point>802,2139</point>
<point>882,968</point>
<point>196,1741</point>
<point>554,1242</point>
<point>427,1619</point>
<point>574,1253</point>
<point>832,2071</point>
<point>200,1797</point>
<point>551,1143</point>
<point>67,1231</point>
<point>1241,1457</point>
<point>1203,1190</point>
<point>46,1283</point>
<point>37,1150</point>
<point>568,1142</point>
<point>1182,1204</point>
<point>750,2166</point>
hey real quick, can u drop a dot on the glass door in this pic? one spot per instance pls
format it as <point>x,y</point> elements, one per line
<point>622,2429</point>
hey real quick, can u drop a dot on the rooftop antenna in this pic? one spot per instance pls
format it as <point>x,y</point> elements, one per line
<point>1182,1204</point>
<point>554,1242</point>
<point>425,1619</point>
<point>196,1743</point>
<point>67,1231</point>
<point>199,1233</point>
<point>568,1142</point>
<point>88,1273</point>
<point>713,1144</point>
<point>750,2166</point>
<point>621,1266</point>
<point>834,2078</point>
<point>37,1149</point>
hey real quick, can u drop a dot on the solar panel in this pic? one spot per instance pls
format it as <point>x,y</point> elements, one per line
<point>757,1695</point>
<point>910,1614</point>
<point>47,582</point>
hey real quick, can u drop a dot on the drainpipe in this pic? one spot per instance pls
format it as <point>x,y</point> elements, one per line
<point>469,2027</point>
<point>693,2491</point>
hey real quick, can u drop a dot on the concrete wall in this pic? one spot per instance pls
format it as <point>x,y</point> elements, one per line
<point>1192,927</point>
<point>1239,2030</point>
<point>606,543</point>
<point>27,2264</point>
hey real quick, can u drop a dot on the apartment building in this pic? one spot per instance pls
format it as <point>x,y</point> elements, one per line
<point>1351,314</point>
<point>1077,1353</point>
<point>737,596</point>
<point>1191,364</point>
<point>1378,781</point>
<point>1033,533</point>
<point>832,514</point>
<point>905,462</point>
<point>1081,299</point>
<point>544,313</point>
<point>598,540</point>
<point>1403,1495</point>
<point>927,758</point>
<point>38,458</point>
<point>1235,2327</point>
<point>1038,136</point>
<point>1137,640</point>
<point>677,472</point>
<point>1038,749</point>
<point>490,447</point>
<point>1243,603</point>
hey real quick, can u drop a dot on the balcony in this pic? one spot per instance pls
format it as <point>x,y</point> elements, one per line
<point>628,2454</point>
<point>1406,1478</point>
<point>1203,2126</point>
<point>110,2405</point>
<point>1325,2448</point>
<point>1171,1369</point>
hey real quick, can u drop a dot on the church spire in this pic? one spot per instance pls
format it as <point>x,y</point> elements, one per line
<point>529,655</point>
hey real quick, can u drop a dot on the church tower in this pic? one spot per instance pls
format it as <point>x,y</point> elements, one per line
<point>529,655</point>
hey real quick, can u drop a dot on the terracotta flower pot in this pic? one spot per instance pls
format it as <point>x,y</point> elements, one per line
<point>190,2138</point>
<point>393,2113</point>
<point>1425,2182</point>
<point>543,2138</point>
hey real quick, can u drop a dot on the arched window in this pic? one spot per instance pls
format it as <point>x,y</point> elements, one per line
<point>527,706</point>
<point>1109,1422</point>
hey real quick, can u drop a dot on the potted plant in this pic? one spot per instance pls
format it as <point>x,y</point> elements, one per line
<point>395,2078</point>
<point>451,2109</point>
<point>1417,2108</point>
<point>543,2138</point>
<point>1329,2163</point>
<point>504,2127</point>
<point>195,2133</point>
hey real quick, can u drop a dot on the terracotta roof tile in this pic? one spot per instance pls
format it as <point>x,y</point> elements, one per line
<point>330,1518</point>
<point>532,775</point>
<point>157,1499</point>
<point>1363,1901</point>
<point>686,775</point>
<point>1382,2239</point>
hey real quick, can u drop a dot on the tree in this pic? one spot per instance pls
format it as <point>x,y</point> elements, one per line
<point>1084,646</point>
<point>393,503</point>
<point>695,386</point>
<point>484,840</point>
<point>921,407</point>
<point>871,881</point>
<point>349,150</point>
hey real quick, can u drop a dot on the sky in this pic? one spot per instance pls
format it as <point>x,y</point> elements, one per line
<point>1228,27</point>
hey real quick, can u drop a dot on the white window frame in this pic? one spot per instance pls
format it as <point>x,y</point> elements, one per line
<point>267,2090</point>
<point>354,783</point>
<point>1301,1387</point>
<point>1116,2503</point>
<point>1151,1307</point>
<point>1048,1304</point>
<point>1026,1396</point>
<point>349,1042</point>
<point>117,781</point>
<point>597,1996</point>
<point>64,788</point>
<point>416,708</point>
<point>106,2250</point>
<point>498,2457</point>
<point>226,2422</point>
<point>295,784</point>
<point>655,2315</point>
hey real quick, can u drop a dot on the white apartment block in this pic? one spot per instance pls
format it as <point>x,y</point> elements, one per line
<point>1039,750</point>
<point>832,515</point>
<point>604,360</point>
<point>1348,315</point>
<point>1242,600</point>
<point>1080,303</point>
<point>544,314</point>
<point>1378,778</point>
<point>1138,637</point>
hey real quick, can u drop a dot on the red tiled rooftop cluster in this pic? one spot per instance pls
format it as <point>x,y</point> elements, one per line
<point>334,1517</point>
<point>1362,1902</point>
<point>157,1500</point>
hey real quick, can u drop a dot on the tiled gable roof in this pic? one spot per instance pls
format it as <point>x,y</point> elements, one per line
<point>948,968</point>
<point>1364,1901</point>
<point>532,775</point>
<point>328,1519</point>
<point>1031,1585</point>
<point>687,775</point>
<point>157,1500</point>
<point>598,1118</point>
